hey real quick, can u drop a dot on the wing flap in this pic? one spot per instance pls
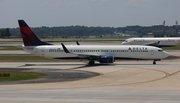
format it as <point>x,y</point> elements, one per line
<point>87,55</point>
<point>152,43</point>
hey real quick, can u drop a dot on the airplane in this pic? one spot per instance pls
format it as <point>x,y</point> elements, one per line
<point>158,42</point>
<point>101,53</point>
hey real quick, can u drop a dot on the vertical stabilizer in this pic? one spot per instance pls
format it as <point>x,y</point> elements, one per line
<point>177,30</point>
<point>164,30</point>
<point>28,36</point>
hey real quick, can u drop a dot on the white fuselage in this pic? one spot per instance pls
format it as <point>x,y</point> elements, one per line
<point>161,42</point>
<point>119,51</point>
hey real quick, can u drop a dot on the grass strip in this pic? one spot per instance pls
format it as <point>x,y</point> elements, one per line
<point>16,75</point>
<point>10,48</point>
<point>177,47</point>
<point>31,59</point>
<point>25,59</point>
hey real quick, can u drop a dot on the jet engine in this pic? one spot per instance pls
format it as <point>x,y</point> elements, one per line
<point>106,59</point>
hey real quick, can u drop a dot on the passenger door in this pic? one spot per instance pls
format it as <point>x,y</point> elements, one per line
<point>42,52</point>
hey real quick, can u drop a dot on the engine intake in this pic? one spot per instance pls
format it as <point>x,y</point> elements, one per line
<point>106,59</point>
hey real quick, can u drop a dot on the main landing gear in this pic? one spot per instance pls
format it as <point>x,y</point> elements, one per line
<point>154,62</point>
<point>91,62</point>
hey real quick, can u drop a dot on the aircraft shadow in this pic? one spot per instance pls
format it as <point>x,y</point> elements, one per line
<point>172,57</point>
<point>80,66</point>
<point>52,64</point>
<point>89,66</point>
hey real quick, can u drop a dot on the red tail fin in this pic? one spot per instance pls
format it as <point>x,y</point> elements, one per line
<point>28,36</point>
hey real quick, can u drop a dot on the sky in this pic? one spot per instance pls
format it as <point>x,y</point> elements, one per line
<point>104,13</point>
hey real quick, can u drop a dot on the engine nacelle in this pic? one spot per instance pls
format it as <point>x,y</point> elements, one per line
<point>106,59</point>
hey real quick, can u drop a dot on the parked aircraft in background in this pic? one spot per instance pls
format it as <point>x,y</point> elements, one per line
<point>100,53</point>
<point>159,42</point>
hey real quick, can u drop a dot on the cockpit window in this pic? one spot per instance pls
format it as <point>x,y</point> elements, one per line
<point>160,50</point>
<point>125,41</point>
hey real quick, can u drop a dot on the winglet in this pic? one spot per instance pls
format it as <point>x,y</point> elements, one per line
<point>65,49</point>
<point>77,43</point>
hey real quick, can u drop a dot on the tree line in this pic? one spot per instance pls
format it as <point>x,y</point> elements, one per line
<point>66,31</point>
<point>5,33</point>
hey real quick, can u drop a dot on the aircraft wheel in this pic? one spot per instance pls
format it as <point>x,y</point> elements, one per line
<point>154,62</point>
<point>91,62</point>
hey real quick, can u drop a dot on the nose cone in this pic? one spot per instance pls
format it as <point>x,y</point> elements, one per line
<point>165,54</point>
<point>124,43</point>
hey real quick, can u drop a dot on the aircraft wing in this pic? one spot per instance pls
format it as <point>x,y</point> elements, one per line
<point>152,43</point>
<point>87,55</point>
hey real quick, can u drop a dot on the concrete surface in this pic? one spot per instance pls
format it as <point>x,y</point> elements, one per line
<point>124,81</point>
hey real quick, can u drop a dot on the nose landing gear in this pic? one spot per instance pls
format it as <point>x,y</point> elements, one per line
<point>154,62</point>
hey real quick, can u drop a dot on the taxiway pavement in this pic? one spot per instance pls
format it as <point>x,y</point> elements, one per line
<point>123,81</point>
